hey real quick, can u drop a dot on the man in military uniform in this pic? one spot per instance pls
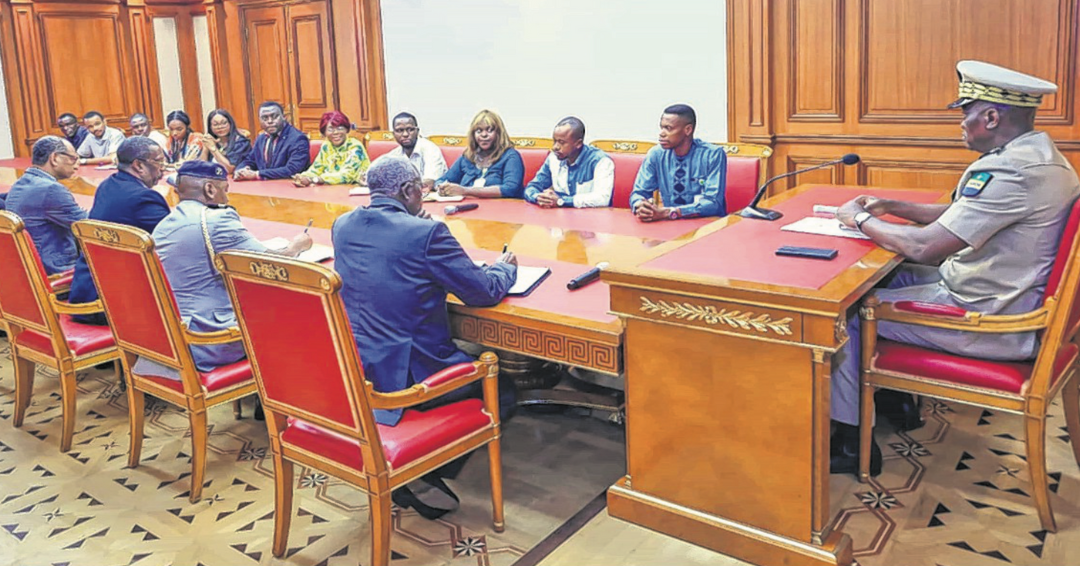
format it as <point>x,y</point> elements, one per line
<point>991,250</point>
<point>201,225</point>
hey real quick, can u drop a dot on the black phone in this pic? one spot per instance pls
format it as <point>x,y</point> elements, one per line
<point>812,253</point>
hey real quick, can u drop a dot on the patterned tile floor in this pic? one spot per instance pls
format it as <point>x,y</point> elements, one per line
<point>86,508</point>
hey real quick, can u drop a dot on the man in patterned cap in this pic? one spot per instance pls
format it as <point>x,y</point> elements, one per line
<point>989,251</point>
<point>201,225</point>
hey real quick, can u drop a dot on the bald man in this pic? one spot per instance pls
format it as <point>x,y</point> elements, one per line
<point>200,294</point>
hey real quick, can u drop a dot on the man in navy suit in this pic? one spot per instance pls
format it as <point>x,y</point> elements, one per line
<point>398,266</point>
<point>280,152</point>
<point>125,198</point>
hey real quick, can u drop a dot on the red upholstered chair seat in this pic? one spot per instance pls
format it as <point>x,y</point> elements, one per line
<point>1001,376</point>
<point>418,434</point>
<point>626,169</point>
<point>63,281</point>
<point>451,153</point>
<point>742,181</point>
<point>217,379</point>
<point>534,160</point>
<point>313,149</point>
<point>81,338</point>
<point>379,148</point>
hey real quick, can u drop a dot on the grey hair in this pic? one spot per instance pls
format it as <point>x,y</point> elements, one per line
<point>45,147</point>
<point>133,149</point>
<point>388,175</point>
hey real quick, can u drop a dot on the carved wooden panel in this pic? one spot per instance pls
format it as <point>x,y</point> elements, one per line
<point>817,60</point>
<point>924,174</point>
<point>544,344</point>
<point>266,57</point>
<point>34,89</point>
<point>79,78</point>
<point>312,63</point>
<point>910,48</point>
<point>828,175</point>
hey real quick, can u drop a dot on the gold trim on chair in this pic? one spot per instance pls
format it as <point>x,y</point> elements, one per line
<point>623,146</point>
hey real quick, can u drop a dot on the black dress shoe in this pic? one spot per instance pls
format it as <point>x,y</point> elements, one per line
<point>900,409</point>
<point>403,497</point>
<point>847,462</point>
<point>259,414</point>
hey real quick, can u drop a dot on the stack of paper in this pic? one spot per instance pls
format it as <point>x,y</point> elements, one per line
<point>824,227</point>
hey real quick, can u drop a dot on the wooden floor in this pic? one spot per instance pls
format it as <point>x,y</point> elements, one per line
<point>954,493</point>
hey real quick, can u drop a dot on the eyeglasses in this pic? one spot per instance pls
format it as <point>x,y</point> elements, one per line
<point>159,163</point>
<point>337,130</point>
<point>405,130</point>
<point>70,156</point>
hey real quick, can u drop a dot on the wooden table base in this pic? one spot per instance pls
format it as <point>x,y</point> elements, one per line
<point>723,535</point>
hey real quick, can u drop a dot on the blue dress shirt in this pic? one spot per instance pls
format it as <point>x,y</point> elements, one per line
<point>508,173</point>
<point>124,199</point>
<point>281,156</point>
<point>199,290</point>
<point>48,210</point>
<point>694,183</point>
<point>592,175</point>
<point>397,270</point>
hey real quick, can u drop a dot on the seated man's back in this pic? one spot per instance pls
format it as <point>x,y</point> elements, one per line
<point>397,269</point>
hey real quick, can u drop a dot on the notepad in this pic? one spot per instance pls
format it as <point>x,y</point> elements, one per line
<point>824,227</point>
<point>105,167</point>
<point>317,253</point>
<point>359,191</point>
<point>528,278</point>
<point>434,197</point>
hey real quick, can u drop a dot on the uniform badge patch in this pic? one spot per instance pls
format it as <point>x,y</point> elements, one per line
<point>976,183</point>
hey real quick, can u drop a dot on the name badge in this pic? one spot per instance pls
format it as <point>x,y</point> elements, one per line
<point>975,184</point>
<point>479,182</point>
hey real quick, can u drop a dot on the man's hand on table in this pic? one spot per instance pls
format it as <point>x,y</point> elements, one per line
<point>547,199</point>
<point>847,211</point>
<point>301,243</point>
<point>301,180</point>
<point>245,174</point>
<point>646,211</point>
<point>451,190</point>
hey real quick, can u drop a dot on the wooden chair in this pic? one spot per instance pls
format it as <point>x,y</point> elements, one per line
<point>146,323</point>
<point>1022,388</point>
<point>319,406</point>
<point>40,327</point>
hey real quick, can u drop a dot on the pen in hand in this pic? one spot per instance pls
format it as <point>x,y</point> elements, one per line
<point>505,247</point>
<point>309,222</point>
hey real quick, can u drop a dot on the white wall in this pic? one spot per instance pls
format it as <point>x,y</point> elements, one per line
<point>614,64</point>
<point>7,148</point>
<point>168,59</point>
<point>206,69</point>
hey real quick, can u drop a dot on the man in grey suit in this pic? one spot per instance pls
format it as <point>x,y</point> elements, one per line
<point>187,256</point>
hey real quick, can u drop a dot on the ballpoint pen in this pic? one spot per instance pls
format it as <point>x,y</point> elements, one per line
<point>309,222</point>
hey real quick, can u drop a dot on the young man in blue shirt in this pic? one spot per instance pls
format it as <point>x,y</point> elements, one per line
<point>46,207</point>
<point>280,152</point>
<point>574,175</point>
<point>689,173</point>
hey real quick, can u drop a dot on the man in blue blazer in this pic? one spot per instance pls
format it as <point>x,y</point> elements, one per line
<point>125,198</point>
<point>280,152</point>
<point>397,266</point>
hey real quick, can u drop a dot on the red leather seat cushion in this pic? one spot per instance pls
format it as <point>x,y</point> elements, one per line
<point>63,281</point>
<point>626,169</point>
<point>220,378</point>
<point>533,160</point>
<point>314,146</point>
<point>81,338</point>
<point>417,434</point>
<point>451,153</point>
<point>950,368</point>
<point>741,181</point>
<point>379,148</point>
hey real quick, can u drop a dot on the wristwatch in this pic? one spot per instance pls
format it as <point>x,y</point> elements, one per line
<point>560,202</point>
<point>674,214</point>
<point>862,217</point>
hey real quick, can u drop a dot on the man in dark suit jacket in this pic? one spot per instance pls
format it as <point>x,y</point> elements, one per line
<point>398,266</point>
<point>125,198</point>
<point>280,152</point>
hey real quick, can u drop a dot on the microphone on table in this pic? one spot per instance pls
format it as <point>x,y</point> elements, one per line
<point>456,208</point>
<point>752,211</point>
<point>587,277</point>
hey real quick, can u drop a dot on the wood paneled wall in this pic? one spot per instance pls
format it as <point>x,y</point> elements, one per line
<point>81,55</point>
<point>816,79</point>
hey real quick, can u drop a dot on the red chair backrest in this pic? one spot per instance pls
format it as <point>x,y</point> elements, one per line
<point>23,284</point>
<point>626,169</point>
<point>742,181</point>
<point>451,153</point>
<point>534,160</point>
<point>308,369</point>
<point>1057,274</point>
<point>134,290</point>
<point>313,149</point>
<point>379,148</point>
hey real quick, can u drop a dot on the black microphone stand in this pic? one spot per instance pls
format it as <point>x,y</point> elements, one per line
<point>752,211</point>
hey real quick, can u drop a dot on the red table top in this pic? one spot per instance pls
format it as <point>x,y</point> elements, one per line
<point>745,250</point>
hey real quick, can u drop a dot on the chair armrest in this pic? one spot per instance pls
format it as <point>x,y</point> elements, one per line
<point>231,334</point>
<point>64,307</point>
<point>954,318</point>
<point>61,282</point>
<point>436,386</point>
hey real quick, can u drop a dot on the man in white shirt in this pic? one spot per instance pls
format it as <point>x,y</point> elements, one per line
<point>140,126</point>
<point>425,155</point>
<point>100,146</point>
<point>574,175</point>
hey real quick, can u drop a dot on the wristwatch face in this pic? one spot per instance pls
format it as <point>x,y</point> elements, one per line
<point>560,202</point>
<point>862,217</point>
<point>673,214</point>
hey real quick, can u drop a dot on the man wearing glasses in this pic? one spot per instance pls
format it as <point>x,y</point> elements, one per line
<point>420,151</point>
<point>127,197</point>
<point>46,207</point>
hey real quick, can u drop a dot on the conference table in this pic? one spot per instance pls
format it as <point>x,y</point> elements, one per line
<point>725,347</point>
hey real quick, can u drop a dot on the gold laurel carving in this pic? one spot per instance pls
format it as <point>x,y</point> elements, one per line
<point>710,315</point>
<point>452,141</point>
<point>107,235</point>
<point>269,271</point>
<point>624,146</point>
<point>525,143</point>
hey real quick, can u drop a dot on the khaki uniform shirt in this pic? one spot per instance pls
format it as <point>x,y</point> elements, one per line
<point>1010,207</point>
